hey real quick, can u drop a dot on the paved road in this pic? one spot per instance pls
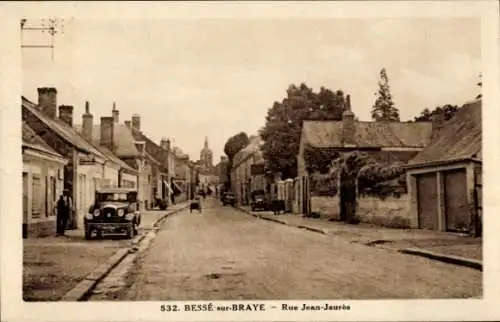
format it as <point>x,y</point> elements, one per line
<point>223,254</point>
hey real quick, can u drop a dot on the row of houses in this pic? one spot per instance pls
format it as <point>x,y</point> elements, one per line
<point>59,154</point>
<point>443,164</point>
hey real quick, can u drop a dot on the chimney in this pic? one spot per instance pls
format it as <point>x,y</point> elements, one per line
<point>136,122</point>
<point>107,132</point>
<point>348,124</point>
<point>141,147</point>
<point>47,101</point>
<point>116,113</point>
<point>87,123</point>
<point>165,144</point>
<point>66,114</point>
<point>128,124</point>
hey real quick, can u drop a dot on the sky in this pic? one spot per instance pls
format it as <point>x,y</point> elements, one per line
<point>191,78</point>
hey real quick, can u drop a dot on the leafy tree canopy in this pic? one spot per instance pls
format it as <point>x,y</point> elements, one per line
<point>383,109</point>
<point>235,143</point>
<point>281,133</point>
<point>443,113</point>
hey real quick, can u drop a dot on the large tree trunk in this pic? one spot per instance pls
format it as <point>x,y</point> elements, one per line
<point>348,203</point>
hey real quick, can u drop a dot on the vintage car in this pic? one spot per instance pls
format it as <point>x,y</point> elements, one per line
<point>259,200</point>
<point>116,210</point>
<point>228,199</point>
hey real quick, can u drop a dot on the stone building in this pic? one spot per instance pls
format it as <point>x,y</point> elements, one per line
<point>117,140</point>
<point>86,164</point>
<point>43,181</point>
<point>445,179</point>
<point>387,142</point>
<point>248,171</point>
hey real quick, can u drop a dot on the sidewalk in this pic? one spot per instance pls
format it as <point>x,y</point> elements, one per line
<point>442,243</point>
<point>54,265</point>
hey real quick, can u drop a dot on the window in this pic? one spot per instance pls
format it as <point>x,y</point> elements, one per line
<point>37,198</point>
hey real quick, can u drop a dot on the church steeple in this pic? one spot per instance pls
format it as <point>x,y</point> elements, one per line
<point>206,157</point>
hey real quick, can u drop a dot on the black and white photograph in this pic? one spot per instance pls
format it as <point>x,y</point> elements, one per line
<point>232,167</point>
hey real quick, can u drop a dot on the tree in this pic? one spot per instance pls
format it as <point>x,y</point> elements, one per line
<point>441,113</point>
<point>359,172</point>
<point>383,109</point>
<point>281,133</point>
<point>234,145</point>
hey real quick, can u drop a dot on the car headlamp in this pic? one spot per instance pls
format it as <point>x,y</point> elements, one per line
<point>121,212</point>
<point>97,212</point>
<point>88,216</point>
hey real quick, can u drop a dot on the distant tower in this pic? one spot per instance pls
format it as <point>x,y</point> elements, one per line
<point>206,157</point>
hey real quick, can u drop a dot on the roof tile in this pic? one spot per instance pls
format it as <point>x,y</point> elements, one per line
<point>459,138</point>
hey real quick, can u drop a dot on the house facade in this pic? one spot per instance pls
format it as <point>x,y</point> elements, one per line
<point>43,182</point>
<point>182,179</point>
<point>116,141</point>
<point>86,164</point>
<point>387,142</point>
<point>248,171</point>
<point>445,179</point>
<point>161,160</point>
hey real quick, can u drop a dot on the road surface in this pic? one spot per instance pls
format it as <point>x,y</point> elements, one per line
<point>223,254</point>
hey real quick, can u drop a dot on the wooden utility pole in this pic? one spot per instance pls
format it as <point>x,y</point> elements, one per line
<point>50,26</point>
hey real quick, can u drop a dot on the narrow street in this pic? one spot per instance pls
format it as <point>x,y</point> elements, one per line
<point>224,254</point>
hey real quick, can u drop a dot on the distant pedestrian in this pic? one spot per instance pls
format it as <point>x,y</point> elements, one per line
<point>64,206</point>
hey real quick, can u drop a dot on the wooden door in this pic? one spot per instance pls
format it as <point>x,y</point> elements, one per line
<point>427,201</point>
<point>457,212</point>
<point>25,198</point>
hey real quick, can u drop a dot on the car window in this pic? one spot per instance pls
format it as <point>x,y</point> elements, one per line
<point>114,197</point>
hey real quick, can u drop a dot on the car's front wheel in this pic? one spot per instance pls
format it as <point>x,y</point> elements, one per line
<point>130,231</point>
<point>88,233</point>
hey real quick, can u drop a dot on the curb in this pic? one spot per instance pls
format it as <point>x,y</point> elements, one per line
<point>284,222</point>
<point>158,221</point>
<point>279,221</point>
<point>83,289</point>
<point>450,259</point>
<point>314,229</point>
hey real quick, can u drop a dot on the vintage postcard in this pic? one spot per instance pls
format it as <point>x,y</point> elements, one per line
<point>250,161</point>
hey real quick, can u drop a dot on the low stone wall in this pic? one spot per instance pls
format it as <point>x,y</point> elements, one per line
<point>389,212</point>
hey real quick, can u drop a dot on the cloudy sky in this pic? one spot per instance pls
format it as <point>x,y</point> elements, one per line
<point>194,78</point>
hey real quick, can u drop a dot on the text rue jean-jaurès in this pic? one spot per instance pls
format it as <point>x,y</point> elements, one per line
<point>210,307</point>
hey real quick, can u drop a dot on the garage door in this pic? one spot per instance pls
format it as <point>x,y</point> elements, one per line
<point>457,212</point>
<point>427,201</point>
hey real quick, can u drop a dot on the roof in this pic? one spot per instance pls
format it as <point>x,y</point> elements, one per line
<point>328,134</point>
<point>460,138</point>
<point>124,141</point>
<point>32,140</point>
<point>153,151</point>
<point>252,148</point>
<point>68,133</point>
<point>112,157</point>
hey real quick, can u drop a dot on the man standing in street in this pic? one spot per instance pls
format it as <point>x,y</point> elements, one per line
<point>64,206</point>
